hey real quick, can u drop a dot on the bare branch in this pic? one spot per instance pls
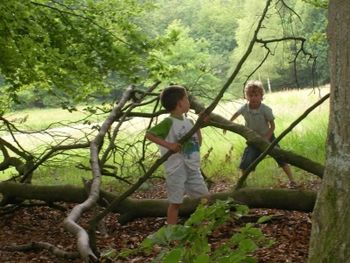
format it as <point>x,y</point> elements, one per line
<point>301,50</point>
<point>70,224</point>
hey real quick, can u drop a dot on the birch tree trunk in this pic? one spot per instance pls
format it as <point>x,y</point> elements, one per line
<point>330,236</point>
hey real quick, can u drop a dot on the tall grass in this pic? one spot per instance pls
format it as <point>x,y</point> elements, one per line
<point>37,119</point>
<point>220,153</point>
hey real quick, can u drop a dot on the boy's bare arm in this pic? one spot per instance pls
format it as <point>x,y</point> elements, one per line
<point>271,130</point>
<point>175,147</point>
<point>234,116</point>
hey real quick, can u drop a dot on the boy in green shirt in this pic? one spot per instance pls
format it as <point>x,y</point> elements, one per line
<point>182,167</point>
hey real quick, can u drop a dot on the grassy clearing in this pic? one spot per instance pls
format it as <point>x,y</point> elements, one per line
<point>220,153</point>
<point>37,119</point>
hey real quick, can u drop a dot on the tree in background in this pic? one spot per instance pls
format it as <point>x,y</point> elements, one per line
<point>313,28</point>
<point>288,64</point>
<point>206,21</point>
<point>186,61</point>
<point>213,20</point>
<point>330,237</point>
<point>73,50</point>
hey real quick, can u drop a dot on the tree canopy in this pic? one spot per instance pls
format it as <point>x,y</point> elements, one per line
<point>74,51</point>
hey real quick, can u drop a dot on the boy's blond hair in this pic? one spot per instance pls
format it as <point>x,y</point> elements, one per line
<point>254,86</point>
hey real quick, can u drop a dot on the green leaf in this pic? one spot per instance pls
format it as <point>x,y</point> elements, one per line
<point>264,219</point>
<point>202,258</point>
<point>173,256</point>
<point>247,245</point>
<point>110,253</point>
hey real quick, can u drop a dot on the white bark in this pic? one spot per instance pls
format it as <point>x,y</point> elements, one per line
<point>95,146</point>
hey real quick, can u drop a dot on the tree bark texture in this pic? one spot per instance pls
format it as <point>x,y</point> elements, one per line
<point>130,209</point>
<point>330,236</point>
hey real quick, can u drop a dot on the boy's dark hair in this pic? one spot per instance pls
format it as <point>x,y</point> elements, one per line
<point>171,95</point>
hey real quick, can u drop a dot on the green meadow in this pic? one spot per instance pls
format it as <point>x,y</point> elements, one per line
<point>220,153</point>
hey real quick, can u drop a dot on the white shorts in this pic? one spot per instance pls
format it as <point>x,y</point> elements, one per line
<point>185,181</point>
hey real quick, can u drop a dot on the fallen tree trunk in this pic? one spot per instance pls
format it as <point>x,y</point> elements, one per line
<point>130,209</point>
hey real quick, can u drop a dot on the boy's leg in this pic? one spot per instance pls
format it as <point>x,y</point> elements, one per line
<point>249,155</point>
<point>195,185</point>
<point>285,167</point>
<point>244,184</point>
<point>288,172</point>
<point>172,215</point>
<point>175,184</point>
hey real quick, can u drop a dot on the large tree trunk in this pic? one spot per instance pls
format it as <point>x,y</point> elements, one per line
<point>330,237</point>
<point>133,208</point>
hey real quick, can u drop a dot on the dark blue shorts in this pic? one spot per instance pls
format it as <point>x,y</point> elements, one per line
<point>251,153</point>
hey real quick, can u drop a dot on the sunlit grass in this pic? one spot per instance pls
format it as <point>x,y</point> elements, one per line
<point>36,119</point>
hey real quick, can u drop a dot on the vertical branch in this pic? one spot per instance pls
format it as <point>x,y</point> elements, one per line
<point>122,119</point>
<point>217,99</point>
<point>95,146</point>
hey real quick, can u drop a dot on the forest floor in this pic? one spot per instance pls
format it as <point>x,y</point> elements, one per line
<point>290,231</point>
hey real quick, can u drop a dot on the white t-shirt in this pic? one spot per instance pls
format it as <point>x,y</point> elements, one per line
<point>172,129</point>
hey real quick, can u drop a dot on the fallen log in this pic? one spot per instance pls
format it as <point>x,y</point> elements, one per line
<point>129,209</point>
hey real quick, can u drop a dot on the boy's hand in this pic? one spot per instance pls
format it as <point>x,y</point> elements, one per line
<point>206,117</point>
<point>175,147</point>
<point>268,136</point>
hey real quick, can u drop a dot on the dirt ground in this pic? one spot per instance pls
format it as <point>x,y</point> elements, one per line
<point>290,231</point>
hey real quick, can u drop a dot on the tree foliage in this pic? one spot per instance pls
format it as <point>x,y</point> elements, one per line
<point>70,48</point>
<point>70,51</point>
<point>289,63</point>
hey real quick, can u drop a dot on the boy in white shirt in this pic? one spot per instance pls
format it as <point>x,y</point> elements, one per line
<point>182,167</point>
